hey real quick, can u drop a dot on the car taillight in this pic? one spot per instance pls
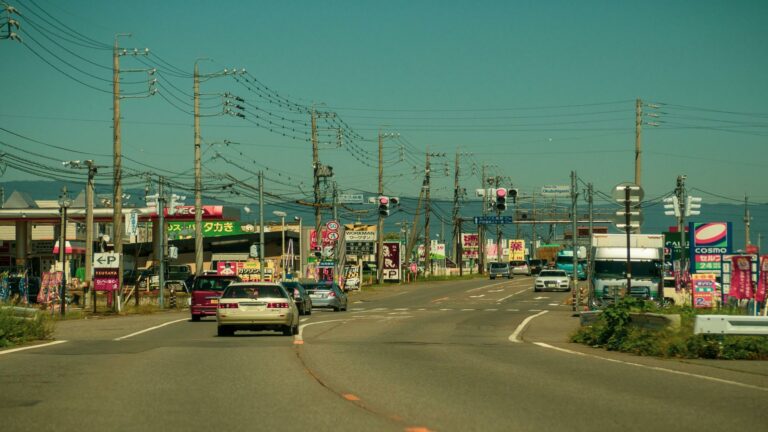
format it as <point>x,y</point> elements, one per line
<point>228,305</point>
<point>331,294</point>
<point>277,305</point>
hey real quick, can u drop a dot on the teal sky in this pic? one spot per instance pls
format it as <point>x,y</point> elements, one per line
<point>535,89</point>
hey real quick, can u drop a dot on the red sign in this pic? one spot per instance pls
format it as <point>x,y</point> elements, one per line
<point>106,279</point>
<point>741,277</point>
<point>188,212</point>
<point>228,268</point>
<point>470,245</point>
<point>762,281</point>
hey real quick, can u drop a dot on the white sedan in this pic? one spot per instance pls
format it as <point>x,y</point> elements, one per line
<point>552,280</point>
<point>256,306</point>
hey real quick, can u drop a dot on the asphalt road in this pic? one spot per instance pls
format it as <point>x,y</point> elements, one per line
<point>430,357</point>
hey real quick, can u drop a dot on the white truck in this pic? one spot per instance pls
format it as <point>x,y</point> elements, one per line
<point>608,268</point>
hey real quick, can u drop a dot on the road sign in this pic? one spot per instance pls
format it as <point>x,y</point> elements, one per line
<point>132,223</point>
<point>326,264</point>
<point>350,198</point>
<point>485,220</point>
<point>332,225</point>
<point>558,191</point>
<point>106,260</point>
<point>636,192</point>
<point>333,235</point>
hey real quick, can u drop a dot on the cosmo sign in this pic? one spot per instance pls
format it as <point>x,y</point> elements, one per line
<point>711,238</point>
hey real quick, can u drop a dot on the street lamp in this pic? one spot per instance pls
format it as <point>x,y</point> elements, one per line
<point>282,216</point>
<point>64,203</point>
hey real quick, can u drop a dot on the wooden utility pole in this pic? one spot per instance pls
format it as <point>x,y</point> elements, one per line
<point>456,222</point>
<point>89,235</point>
<point>746,222</point>
<point>198,176</point>
<point>638,133</point>
<point>117,194</point>
<point>427,211</point>
<point>316,182</point>
<point>262,262</point>
<point>481,227</point>
<point>380,225</point>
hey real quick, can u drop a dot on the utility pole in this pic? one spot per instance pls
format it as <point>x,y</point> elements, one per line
<point>533,226</point>
<point>427,211</point>
<point>380,224</point>
<point>261,227</point>
<point>481,227</point>
<point>746,222</point>
<point>64,203</point>
<point>456,222</point>
<point>498,228</point>
<point>161,251</point>
<point>680,192</point>
<point>638,133</point>
<point>574,234</point>
<point>89,234</point>
<point>590,202</point>
<point>197,156</point>
<point>198,176</point>
<point>117,195</point>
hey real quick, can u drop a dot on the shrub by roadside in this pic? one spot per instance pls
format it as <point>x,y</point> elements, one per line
<point>613,332</point>
<point>15,330</point>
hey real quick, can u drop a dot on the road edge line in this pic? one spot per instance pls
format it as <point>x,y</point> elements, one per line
<point>656,368</point>
<point>13,350</point>
<point>149,329</point>
<point>513,337</point>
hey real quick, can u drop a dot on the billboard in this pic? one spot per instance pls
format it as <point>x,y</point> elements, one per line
<point>517,250</point>
<point>470,245</point>
<point>711,238</point>
<point>391,265</point>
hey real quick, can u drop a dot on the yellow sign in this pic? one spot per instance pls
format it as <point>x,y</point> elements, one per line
<point>517,250</point>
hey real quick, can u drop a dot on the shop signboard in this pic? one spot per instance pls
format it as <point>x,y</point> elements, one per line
<point>517,250</point>
<point>391,265</point>
<point>703,290</point>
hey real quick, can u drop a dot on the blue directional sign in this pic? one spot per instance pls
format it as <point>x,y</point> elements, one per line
<point>487,220</point>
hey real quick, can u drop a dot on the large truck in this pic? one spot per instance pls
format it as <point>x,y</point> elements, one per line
<point>608,268</point>
<point>564,262</point>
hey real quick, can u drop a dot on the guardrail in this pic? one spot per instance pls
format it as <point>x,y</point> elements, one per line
<point>731,324</point>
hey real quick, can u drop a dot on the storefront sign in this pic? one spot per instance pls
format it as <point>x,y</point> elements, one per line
<point>741,278</point>
<point>106,279</point>
<point>703,290</point>
<point>391,266</point>
<point>517,250</point>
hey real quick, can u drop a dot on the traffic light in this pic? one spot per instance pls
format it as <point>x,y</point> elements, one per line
<point>512,193</point>
<point>672,206</point>
<point>383,206</point>
<point>501,199</point>
<point>692,206</point>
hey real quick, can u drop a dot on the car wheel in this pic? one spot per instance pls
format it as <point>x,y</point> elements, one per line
<point>535,290</point>
<point>309,311</point>
<point>295,329</point>
<point>336,309</point>
<point>224,331</point>
<point>287,330</point>
<point>195,317</point>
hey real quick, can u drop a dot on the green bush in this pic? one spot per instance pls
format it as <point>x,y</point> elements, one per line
<point>613,331</point>
<point>15,330</point>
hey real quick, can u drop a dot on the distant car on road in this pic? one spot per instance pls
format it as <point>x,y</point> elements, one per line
<point>326,295</point>
<point>520,267</point>
<point>552,280</point>
<point>206,290</point>
<point>536,265</point>
<point>256,306</point>
<point>300,296</point>
<point>499,270</point>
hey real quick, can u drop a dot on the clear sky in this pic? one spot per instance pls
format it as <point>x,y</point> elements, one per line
<point>535,89</point>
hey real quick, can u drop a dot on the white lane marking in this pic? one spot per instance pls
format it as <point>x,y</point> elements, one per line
<point>477,296</point>
<point>554,304</point>
<point>656,368</point>
<point>534,310</point>
<point>401,309</point>
<point>13,350</point>
<point>303,319</point>
<point>491,310</point>
<point>495,291</point>
<point>513,310</point>
<point>300,335</point>
<point>422,309</point>
<point>446,309</point>
<point>514,336</point>
<point>488,286</point>
<point>464,310</point>
<point>150,329</point>
<point>540,298</point>
<point>511,295</point>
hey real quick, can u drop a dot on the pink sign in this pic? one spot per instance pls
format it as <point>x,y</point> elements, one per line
<point>741,277</point>
<point>762,280</point>
<point>105,279</point>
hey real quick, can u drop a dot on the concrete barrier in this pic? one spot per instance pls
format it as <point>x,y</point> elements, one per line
<point>731,324</point>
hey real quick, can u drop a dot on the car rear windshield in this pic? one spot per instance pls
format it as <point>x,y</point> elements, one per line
<point>498,265</point>
<point>320,286</point>
<point>254,291</point>
<point>212,284</point>
<point>518,263</point>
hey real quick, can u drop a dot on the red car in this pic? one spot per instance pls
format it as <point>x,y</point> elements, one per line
<point>206,290</point>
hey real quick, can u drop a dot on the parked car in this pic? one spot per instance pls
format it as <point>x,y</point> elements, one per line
<point>206,290</point>
<point>499,270</point>
<point>520,267</point>
<point>536,265</point>
<point>256,306</point>
<point>300,296</point>
<point>552,280</point>
<point>326,295</point>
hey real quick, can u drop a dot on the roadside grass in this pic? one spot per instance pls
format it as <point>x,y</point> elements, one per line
<point>613,331</point>
<point>17,330</point>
